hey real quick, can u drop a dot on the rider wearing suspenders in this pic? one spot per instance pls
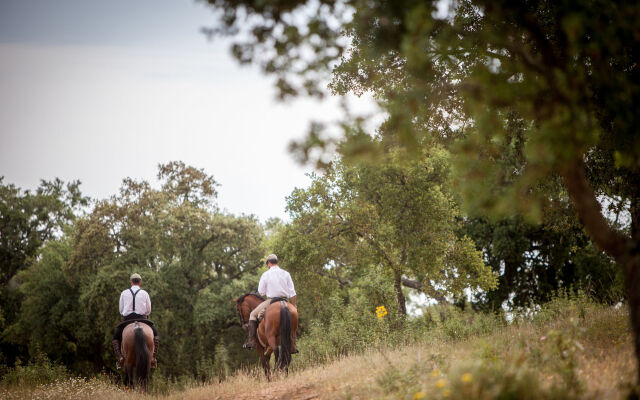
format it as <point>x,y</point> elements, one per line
<point>130,311</point>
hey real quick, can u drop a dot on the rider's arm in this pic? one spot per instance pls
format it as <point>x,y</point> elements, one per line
<point>262,286</point>
<point>149,303</point>
<point>291,290</point>
<point>121,302</point>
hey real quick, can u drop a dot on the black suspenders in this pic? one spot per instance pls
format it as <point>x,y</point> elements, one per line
<point>134,297</point>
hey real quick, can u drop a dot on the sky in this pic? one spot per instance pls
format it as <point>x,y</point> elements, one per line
<point>101,91</point>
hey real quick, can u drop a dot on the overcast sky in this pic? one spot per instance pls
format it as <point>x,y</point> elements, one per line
<point>100,91</point>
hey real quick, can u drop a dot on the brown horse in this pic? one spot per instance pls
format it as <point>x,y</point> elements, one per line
<point>137,348</point>
<point>276,332</point>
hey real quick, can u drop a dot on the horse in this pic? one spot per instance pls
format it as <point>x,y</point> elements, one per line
<point>276,332</point>
<point>137,348</point>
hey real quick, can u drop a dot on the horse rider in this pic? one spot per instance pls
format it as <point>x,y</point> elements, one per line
<point>275,282</point>
<point>135,304</point>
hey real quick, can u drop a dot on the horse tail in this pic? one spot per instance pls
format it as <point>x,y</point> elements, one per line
<point>285,335</point>
<point>142,356</point>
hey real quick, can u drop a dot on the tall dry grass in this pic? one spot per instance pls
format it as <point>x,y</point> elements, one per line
<point>570,349</point>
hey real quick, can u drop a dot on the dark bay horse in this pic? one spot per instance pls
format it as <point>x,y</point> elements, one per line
<point>137,348</point>
<point>276,331</point>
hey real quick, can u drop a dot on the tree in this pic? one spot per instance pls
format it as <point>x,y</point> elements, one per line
<point>535,261</point>
<point>193,259</point>
<point>30,219</point>
<point>566,70</point>
<point>400,216</point>
<point>27,222</point>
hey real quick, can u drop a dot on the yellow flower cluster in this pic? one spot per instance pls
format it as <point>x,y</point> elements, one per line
<point>381,311</point>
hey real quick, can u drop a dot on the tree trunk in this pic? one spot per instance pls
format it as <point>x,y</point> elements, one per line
<point>632,276</point>
<point>624,250</point>
<point>632,281</point>
<point>397,285</point>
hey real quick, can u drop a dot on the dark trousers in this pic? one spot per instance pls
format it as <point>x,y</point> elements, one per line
<point>117,334</point>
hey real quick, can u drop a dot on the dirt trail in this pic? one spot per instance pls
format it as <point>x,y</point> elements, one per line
<point>278,392</point>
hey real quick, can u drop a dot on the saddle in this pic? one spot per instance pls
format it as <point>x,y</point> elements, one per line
<point>122,324</point>
<point>261,316</point>
<point>273,300</point>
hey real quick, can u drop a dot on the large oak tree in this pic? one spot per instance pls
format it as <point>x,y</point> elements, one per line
<point>567,71</point>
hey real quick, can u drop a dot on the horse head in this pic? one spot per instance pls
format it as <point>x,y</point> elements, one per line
<point>245,304</point>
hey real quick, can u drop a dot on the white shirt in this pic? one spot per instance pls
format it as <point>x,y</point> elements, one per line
<point>143,302</point>
<point>276,282</point>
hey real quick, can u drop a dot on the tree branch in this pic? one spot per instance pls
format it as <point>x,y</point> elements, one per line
<point>252,268</point>
<point>204,244</point>
<point>428,289</point>
<point>590,214</point>
<point>341,281</point>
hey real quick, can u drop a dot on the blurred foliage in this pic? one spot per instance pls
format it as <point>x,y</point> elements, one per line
<point>525,95</point>
<point>534,261</point>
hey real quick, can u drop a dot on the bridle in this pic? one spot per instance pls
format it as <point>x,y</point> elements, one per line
<point>243,322</point>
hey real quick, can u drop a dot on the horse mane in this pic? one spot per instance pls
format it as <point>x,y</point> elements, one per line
<point>241,298</point>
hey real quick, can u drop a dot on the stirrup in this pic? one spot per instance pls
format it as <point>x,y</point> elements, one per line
<point>249,346</point>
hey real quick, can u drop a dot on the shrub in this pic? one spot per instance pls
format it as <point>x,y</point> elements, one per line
<point>39,371</point>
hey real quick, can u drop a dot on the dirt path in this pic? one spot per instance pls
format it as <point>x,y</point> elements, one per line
<point>282,391</point>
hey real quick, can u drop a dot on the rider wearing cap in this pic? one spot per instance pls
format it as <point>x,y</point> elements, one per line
<point>275,282</point>
<point>135,304</point>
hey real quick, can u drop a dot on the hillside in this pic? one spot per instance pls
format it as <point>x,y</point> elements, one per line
<point>568,350</point>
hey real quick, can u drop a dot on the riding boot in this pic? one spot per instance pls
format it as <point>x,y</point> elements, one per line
<point>116,349</point>
<point>154,359</point>
<point>251,340</point>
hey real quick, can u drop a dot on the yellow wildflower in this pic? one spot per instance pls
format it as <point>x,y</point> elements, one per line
<point>446,393</point>
<point>441,383</point>
<point>435,373</point>
<point>418,395</point>
<point>381,311</point>
<point>466,378</point>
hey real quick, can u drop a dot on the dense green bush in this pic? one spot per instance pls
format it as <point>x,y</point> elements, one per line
<point>39,371</point>
<point>355,327</point>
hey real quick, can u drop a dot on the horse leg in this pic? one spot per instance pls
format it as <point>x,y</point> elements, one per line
<point>130,378</point>
<point>274,348</point>
<point>264,358</point>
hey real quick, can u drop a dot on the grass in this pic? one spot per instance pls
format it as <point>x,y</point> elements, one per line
<point>584,352</point>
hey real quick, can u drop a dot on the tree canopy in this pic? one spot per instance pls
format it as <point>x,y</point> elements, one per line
<point>193,259</point>
<point>399,215</point>
<point>565,73</point>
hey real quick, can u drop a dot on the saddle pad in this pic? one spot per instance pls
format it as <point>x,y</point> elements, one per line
<point>122,324</point>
